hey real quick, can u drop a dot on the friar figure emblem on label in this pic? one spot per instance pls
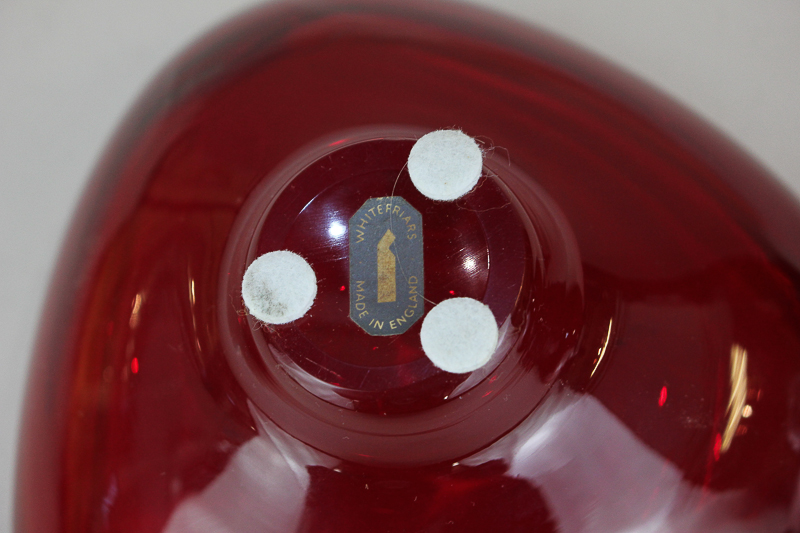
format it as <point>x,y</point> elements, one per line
<point>386,266</point>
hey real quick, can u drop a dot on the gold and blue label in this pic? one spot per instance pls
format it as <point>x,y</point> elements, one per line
<point>386,266</point>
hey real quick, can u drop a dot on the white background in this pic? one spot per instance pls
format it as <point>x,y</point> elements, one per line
<point>70,68</point>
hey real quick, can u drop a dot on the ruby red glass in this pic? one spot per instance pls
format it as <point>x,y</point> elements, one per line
<point>643,273</point>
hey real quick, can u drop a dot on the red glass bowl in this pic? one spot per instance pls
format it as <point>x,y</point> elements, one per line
<point>643,273</point>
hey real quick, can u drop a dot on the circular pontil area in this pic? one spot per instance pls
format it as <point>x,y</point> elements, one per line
<point>359,348</point>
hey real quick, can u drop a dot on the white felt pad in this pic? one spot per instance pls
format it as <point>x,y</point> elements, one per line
<point>279,287</point>
<point>445,164</point>
<point>459,335</point>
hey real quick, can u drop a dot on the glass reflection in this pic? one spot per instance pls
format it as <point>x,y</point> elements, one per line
<point>736,402</point>
<point>269,476</point>
<point>596,475</point>
<point>602,351</point>
<point>136,306</point>
<point>336,229</point>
